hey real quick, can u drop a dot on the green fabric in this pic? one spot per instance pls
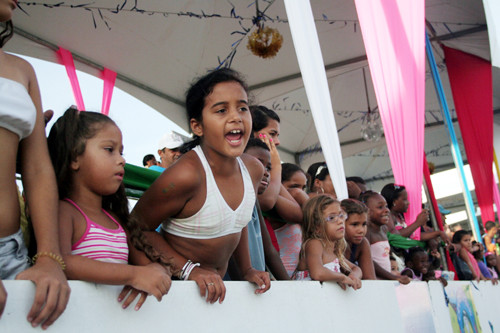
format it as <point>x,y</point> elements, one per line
<point>138,179</point>
<point>402,242</point>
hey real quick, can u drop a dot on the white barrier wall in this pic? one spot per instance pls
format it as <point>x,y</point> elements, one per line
<point>380,306</point>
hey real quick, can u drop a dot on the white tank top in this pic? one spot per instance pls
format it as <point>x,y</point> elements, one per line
<point>215,218</point>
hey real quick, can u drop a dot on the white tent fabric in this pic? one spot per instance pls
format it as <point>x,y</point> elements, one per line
<point>313,73</point>
<point>492,7</point>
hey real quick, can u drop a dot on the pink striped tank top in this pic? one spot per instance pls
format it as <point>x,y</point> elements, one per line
<point>99,243</point>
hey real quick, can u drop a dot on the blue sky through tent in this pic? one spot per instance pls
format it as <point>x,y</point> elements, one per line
<point>141,125</point>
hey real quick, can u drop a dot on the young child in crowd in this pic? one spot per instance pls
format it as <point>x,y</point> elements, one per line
<point>491,262</point>
<point>322,255</point>
<point>262,251</point>
<point>478,253</point>
<point>22,134</point>
<point>378,217</point>
<point>320,181</point>
<point>358,248</point>
<point>418,266</point>
<point>97,235</point>
<point>465,263</point>
<point>394,267</point>
<point>205,200</point>
<point>294,179</point>
<point>490,236</point>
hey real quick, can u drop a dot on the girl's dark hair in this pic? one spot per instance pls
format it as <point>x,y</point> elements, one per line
<point>253,142</point>
<point>353,206</point>
<point>458,235</point>
<point>67,141</point>
<point>288,170</point>
<point>6,33</point>
<point>411,253</point>
<point>260,117</point>
<point>198,92</point>
<point>317,170</point>
<point>365,196</point>
<point>391,193</point>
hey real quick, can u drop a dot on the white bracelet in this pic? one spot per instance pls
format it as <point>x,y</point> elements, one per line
<point>189,270</point>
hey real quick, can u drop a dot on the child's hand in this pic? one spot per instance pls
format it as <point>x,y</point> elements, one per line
<point>403,279</point>
<point>357,282</point>
<point>443,281</point>
<point>152,279</point>
<point>422,217</point>
<point>494,281</point>
<point>132,294</point>
<point>210,283</point>
<point>261,279</point>
<point>275,156</point>
<point>346,282</point>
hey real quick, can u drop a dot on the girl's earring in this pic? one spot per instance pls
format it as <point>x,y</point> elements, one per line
<point>322,190</point>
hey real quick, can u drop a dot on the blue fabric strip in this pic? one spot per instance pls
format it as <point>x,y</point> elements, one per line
<point>455,150</point>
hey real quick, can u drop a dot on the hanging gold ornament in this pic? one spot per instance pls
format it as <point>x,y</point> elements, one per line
<point>265,42</point>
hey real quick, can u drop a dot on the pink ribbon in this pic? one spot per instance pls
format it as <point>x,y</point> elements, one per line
<point>66,58</point>
<point>109,78</point>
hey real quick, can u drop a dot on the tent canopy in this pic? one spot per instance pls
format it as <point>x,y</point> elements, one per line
<point>158,47</point>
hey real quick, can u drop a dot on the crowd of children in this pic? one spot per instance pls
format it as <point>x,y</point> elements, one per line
<point>226,209</point>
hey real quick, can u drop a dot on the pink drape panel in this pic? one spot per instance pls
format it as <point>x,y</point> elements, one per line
<point>471,85</point>
<point>109,78</point>
<point>393,33</point>
<point>66,58</point>
<point>496,197</point>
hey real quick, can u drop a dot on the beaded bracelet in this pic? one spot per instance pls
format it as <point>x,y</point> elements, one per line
<point>52,256</point>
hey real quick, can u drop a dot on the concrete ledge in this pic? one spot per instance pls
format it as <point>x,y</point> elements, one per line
<point>291,306</point>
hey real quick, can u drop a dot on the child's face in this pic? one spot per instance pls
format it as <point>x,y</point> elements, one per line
<point>466,242</point>
<point>265,158</point>
<point>334,218</point>
<point>378,211</point>
<point>493,231</point>
<point>226,121</point>
<point>101,166</point>
<point>298,180</point>
<point>491,260</point>
<point>272,130</point>
<point>401,203</point>
<point>355,228</point>
<point>395,268</point>
<point>420,263</point>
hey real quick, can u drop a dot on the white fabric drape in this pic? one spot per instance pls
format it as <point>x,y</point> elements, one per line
<point>490,8</point>
<point>305,40</point>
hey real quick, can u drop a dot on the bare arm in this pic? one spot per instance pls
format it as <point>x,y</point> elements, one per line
<point>287,208</point>
<point>422,217</point>
<point>242,258</point>
<point>52,289</point>
<point>314,260</point>
<point>385,275</point>
<point>365,261</point>
<point>267,200</point>
<point>272,257</point>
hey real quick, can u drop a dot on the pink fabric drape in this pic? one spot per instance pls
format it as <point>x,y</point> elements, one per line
<point>496,197</point>
<point>393,34</point>
<point>109,78</point>
<point>471,85</point>
<point>66,58</point>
